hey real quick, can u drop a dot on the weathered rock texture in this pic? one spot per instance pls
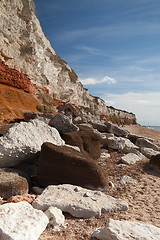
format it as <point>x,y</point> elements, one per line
<point>22,141</point>
<point>77,201</point>
<point>88,141</point>
<point>55,216</point>
<point>22,198</point>
<point>63,124</point>
<point>21,221</point>
<point>155,160</point>
<point>24,47</point>
<point>12,182</point>
<point>61,164</point>
<point>132,158</point>
<point>123,230</point>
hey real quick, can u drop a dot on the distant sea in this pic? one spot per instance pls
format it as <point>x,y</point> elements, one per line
<point>154,127</point>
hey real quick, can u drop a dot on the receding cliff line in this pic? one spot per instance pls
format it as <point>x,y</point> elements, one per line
<point>25,48</point>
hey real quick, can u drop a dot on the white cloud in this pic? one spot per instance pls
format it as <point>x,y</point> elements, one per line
<point>146,105</point>
<point>108,80</point>
<point>93,81</point>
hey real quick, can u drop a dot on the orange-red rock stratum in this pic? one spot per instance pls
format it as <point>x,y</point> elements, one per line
<point>14,78</point>
<point>14,102</point>
<point>16,94</point>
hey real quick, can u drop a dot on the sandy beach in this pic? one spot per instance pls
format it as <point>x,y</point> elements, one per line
<point>145,132</point>
<point>143,198</point>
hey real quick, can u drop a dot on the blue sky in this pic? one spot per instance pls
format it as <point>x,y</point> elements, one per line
<point>113,46</point>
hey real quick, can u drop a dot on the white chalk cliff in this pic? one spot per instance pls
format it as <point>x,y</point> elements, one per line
<point>24,47</point>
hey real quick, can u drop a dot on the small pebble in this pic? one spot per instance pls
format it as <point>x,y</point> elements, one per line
<point>111,184</point>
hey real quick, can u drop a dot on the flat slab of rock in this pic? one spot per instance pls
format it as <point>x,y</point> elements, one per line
<point>123,230</point>
<point>78,201</point>
<point>23,140</point>
<point>21,221</point>
<point>132,158</point>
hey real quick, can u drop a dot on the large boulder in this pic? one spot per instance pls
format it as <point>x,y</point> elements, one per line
<point>119,143</point>
<point>12,182</point>
<point>119,132</point>
<point>21,221</point>
<point>133,137</point>
<point>149,152</point>
<point>63,124</point>
<point>123,230</point>
<point>155,160</point>
<point>23,140</point>
<point>62,164</point>
<point>69,109</point>
<point>86,139</point>
<point>115,143</point>
<point>129,147</point>
<point>143,142</point>
<point>77,201</point>
<point>101,127</point>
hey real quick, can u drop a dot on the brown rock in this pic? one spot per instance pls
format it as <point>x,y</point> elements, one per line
<point>20,198</point>
<point>88,141</point>
<point>155,160</point>
<point>12,182</point>
<point>61,164</point>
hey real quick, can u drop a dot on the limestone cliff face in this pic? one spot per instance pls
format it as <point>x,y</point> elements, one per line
<point>24,47</point>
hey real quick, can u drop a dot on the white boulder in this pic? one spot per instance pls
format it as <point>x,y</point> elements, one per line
<point>116,143</point>
<point>55,216</point>
<point>126,230</point>
<point>78,201</point>
<point>149,152</point>
<point>129,147</point>
<point>21,221</point>
<point>119,143</point>
<point>24,139</point>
